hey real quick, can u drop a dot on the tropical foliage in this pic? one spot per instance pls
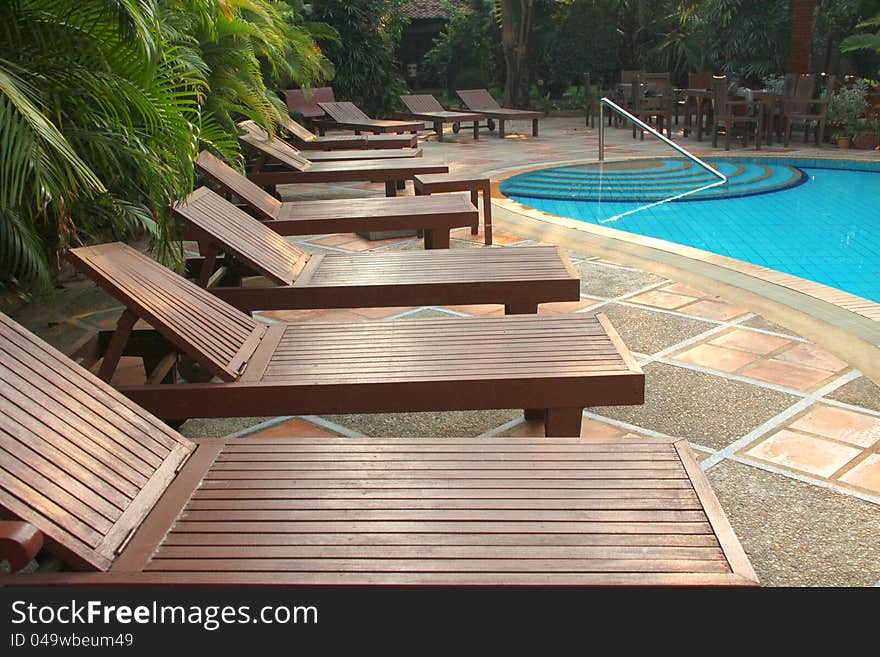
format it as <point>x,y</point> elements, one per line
<point>105,103</point>
<point>365,54</point>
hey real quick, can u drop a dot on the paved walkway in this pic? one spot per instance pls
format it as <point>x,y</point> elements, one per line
<point>788,432</point>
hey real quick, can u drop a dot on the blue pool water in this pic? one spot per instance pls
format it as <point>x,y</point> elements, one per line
<point>795,216</point>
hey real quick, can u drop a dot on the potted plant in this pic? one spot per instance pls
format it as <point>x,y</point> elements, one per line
<point>865,133</point>
<point>845,111</point>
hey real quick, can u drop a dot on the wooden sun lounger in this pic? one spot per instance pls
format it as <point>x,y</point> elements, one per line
<point>113,492</point>
<point>304,139</point>
<point>425,107</point>
<point>348,115</point>
<point>340,155</point>
<point>279,163</point>
<point>551,366</point>
<point>482,102</point>
<point>366,215</point>
<point>519,278</point>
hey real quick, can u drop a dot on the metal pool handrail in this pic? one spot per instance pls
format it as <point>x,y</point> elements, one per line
<point>644,126</point>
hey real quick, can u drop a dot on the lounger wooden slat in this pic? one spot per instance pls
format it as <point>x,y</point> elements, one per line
<point>295,168</point>
<point>71,475</point>
<point>436,218</point>
<point>204,517</point>
<point>303,139</point>
<point>252,129</point>
<point>324,368</point>
<point>425,107</point>
<point>482,102</point>
<point>518,278</point>
<point>348,115</point>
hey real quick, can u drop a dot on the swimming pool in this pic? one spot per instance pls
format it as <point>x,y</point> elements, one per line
<point>817,219</point>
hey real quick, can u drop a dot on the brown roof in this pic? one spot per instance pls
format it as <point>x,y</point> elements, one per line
<point>429,8</point>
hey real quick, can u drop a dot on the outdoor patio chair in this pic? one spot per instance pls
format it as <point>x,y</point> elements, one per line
<point>653,99</point>
<point>424,107</point>
<point>802,106</point>
<point>348,115</point>
<point>435,215</point>
<point>552,367</point>
<point>623,94</point>
<point>302,138</point>
<point>728,113</point>
<point>112,491</point>
<point>279,163</point>
<point>305,103</point>
<point>519,278</point>
<point>482,102</point>
<point>341,155</point>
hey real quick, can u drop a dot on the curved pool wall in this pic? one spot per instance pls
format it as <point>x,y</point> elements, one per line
<point>824,228</point>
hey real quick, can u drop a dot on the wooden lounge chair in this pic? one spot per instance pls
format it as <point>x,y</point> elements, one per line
<point>279,163</point>
<point>300,137</point>
<point>557,365</point>
<point>519,278</point>
<point>436,217</point>
<point>305,103</point>
<point>340,155</point>
<point>481,101</point>
<point>113,492</point>
<point>348,115</point>
<point>425,107</point>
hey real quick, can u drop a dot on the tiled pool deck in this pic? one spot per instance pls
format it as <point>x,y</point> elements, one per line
<point>788,432</point>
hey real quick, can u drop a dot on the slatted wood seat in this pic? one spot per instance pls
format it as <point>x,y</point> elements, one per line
<point>114,491</point>
<point>368,214</point>
<point>519,278</point>
<point>558,364</point>
<point>279,163</point>
<point>425,107</point>
<point>348,115</point>
<point>340,155</point>
<point>482,102</point>
<point>303,139</point>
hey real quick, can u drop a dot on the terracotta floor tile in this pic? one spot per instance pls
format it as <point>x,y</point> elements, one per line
<point>716,358</point>
<point>478,309</point>
<point>380,313</point>
<point>333,316</point>
<point>842,424</point>
<point>757,343</point>
<point>713,310</point>
<point>802,452</point>
<point>866,474</point>
<point>660,299</point>
<point>786,374</point>
<point>589,429</point>
<point>293,428</point>
<point>687,290</point>
<point>811,355</point>
<point>334,240</point>
<point>561,307</point>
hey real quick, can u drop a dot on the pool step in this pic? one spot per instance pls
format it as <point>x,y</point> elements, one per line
<point>652,180</point>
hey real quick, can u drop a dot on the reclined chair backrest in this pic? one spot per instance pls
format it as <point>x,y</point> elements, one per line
<point>477,99</point>
<point>344,112</point>
<point>305,102</point>
<point>266,205</point>
<point>78,460</point>
<point>277,149</point>
<point>217,335</point>
<point>418,103</point>
<point>236,232</point>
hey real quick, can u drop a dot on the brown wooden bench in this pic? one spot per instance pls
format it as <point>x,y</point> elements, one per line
<point>425,107</point>
<point>115,493</point>
<point>279,163</point>
<point>427,184</point>
<point>304,139</point>
<point>519,278</point>
<point>482,102</point>
<point>348,115</point>
<point>365,215</point>
<point>556,364</point>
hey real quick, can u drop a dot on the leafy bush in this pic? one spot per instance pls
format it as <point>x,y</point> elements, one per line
<point>847,109</point>
<point>365,55</point>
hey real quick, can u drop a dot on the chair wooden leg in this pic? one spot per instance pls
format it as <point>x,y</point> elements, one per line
<point>438,129</point>
<point>475,199</point>
<point>727,130</point>
<point>534,127</point>
<point>563,422</point>
<point>476,129</point>
<point>437,238</point>
<point>714,136</point>
<point>390,188</point>
<point>534,414</point>
<point>520,308</point>
<point>787,131</point>
<point>501,129</point>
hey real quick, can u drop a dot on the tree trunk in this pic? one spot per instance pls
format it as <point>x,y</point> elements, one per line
<point>801,14</point>
<point>516,24</point>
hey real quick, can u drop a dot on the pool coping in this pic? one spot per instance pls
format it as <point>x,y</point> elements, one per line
<point>844,323</point>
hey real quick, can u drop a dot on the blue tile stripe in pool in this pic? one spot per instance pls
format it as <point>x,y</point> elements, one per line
<point>826,229</point>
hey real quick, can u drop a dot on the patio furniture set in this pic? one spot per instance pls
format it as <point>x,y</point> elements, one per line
<point>93,475</point>
<point>709,103</point>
